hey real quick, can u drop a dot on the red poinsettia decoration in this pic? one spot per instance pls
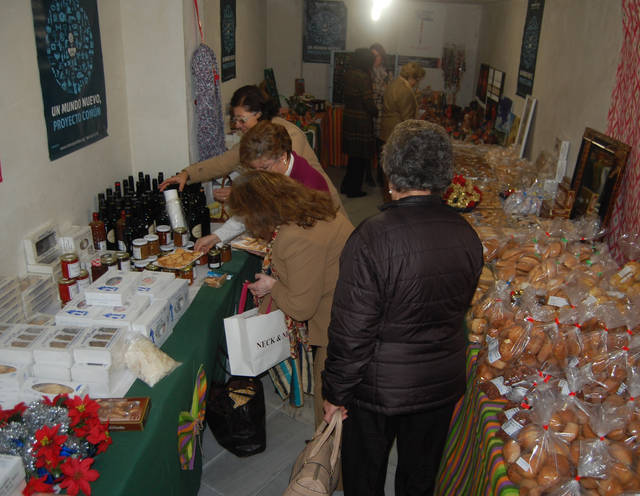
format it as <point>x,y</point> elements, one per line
<point>37,485</point>
<point>78,475</point>
<point>7,416</point>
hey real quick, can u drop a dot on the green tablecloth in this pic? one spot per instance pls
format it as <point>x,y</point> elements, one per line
<point>146,462</point>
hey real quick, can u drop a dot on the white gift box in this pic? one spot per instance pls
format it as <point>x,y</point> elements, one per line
<point>152,283</point>
<point>114,288</point>
<point>13,375</point>
<point>121,315</point>
<point>100,379</point>
<point>77,312</point>
<point>177,294</point>
<point>57,349</point>
<point>36,388</point>
<point>52,371</point>
<point>101,346</point>
<point>12,475</point>
<point>18,345</point>
<point>155,322</point>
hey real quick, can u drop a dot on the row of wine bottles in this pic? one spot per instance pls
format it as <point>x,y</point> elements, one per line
<point>131,210</point>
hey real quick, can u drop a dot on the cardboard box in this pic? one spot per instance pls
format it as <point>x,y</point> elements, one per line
<point>124,414</point>
<point>36,388</point>
<point>114,288</point>
<point>101,346</point>
<point>177,293</point>
<point>57,348</point>
<point>155,322</point>
<point>12,475</point>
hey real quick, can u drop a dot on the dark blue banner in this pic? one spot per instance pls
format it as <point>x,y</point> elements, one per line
<point>325,30</point>
<point>529,50</point>
<point>228,38</point>
<point>71,74</point>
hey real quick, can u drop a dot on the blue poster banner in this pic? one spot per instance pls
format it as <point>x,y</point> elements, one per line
<point>529,51</point>
<point>69,51</point>
<point>228,38</point>
<point>325,30</point>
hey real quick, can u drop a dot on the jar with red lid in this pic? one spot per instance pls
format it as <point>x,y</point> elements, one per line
<point>67,289</point>
<point>70,265</point>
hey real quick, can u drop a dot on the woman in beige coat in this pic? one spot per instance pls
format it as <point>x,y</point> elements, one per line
<point>400,99</point>
<point>306,235</point>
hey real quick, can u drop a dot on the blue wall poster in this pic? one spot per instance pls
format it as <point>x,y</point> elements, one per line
<point>228,38</point>
<point>325,30</point>
<point>71,74</point>
<point>529,51</point>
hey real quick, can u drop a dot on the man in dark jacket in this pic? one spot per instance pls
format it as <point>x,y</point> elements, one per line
<point>396,356</point>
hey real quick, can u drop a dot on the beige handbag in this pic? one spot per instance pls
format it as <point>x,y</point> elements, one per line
<point>317,469</point>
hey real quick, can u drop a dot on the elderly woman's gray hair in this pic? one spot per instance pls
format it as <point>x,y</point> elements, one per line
<point>418,156</point>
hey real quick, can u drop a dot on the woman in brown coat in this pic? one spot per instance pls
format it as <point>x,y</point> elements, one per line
<point>306,235</point>
<point>357,122</point>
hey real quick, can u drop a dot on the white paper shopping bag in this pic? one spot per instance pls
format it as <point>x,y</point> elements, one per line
<point>256,342</point>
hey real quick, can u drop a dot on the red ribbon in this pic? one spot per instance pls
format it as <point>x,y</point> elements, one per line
<point>195,2</point>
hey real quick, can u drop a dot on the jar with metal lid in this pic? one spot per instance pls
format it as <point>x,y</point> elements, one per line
<point>225,253</point>
<point>67,288</point>
<point>166,249</point>
<point>186,273</point>
<point>70,265</point>
<point>214,258</point>
<point>110,261</point>
<point>189,245</point>
<point>140,265</point>
<point>140,248</point>
<point>83,280</point>
<point>97,269</point>
<point>164,234</point>
<point>154,244</point>
<point>152,266</point>
<point>123,260</point>
<point>180,236</point>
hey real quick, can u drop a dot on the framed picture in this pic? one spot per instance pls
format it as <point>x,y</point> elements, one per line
<point>483,82</point>
<point>597,175</point>
<point>525,124</point>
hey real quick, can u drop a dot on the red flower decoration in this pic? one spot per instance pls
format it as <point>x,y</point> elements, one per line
<point>8,415</point>
<point>37,485</point>
<point>81,409</point>
<point>78,475</point>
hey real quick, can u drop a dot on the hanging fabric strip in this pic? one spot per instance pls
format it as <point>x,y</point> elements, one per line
<point>195,2</point>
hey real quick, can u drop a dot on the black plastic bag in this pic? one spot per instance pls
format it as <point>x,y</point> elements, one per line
<point>236,415</point>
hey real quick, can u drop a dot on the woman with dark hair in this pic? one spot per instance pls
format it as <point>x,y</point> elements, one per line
<point>306,235</point>
<point>357,122</point>
<point>249,105</point>
<point>396,358</point>
<point>267,146</point>
<point>380,79</point>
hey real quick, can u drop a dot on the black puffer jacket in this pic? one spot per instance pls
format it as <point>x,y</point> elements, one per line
<point>396,339</point>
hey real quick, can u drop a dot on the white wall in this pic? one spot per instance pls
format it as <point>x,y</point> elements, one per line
<point>154,59</point>
<point>457,23</point>
<point>35,190</point>
<point>575,74</point>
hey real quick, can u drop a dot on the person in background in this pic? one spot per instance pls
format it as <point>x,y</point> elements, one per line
<point>249,105</point>
<point>380,79</point>
<point>357,122</point>
<point>267,146</point>
<point>306,234</point>
<point>396,357</point>
<point>399,104</point>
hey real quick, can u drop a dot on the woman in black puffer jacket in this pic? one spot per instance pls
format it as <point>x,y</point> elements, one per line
<point>396,356</point>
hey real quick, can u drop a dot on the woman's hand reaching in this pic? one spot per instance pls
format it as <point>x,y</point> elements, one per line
<point>262,286</point>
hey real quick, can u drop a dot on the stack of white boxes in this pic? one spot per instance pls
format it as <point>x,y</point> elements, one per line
<point>10,301</point>
<point>12,475</point>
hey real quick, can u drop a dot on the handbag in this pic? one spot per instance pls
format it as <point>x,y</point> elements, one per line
<point>317,469</point>
<point>255,342</point>
<point>236,415</point>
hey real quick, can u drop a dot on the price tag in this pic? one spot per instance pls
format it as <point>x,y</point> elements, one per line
<point>511,412</point>
<point>557,301</point>
<point>523,464</point>
<point>499,383</point>
<point>493,349</point>
<point>512,427</point>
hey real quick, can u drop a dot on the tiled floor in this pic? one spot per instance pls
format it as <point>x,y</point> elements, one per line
<point>267,473</point>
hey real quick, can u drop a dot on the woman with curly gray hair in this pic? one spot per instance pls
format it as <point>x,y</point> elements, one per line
<point>396,355</point>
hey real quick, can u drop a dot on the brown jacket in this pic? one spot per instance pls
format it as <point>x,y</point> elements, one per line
<point>228,161</point>
<point>399,105</point>
<point>307,261</point>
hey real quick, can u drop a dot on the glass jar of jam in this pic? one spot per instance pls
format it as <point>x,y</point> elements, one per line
<point>97,269</point>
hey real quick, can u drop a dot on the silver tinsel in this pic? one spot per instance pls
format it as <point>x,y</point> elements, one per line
<point>18,438</point>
